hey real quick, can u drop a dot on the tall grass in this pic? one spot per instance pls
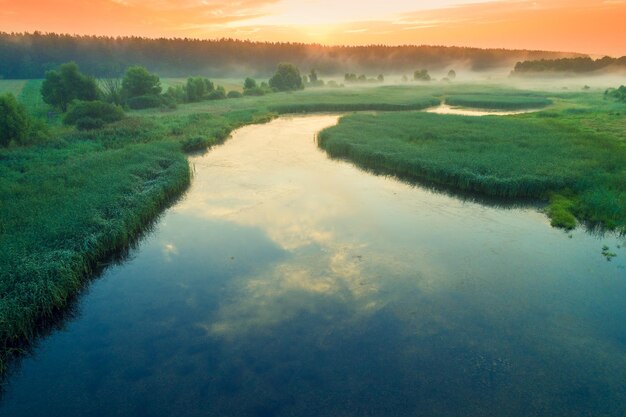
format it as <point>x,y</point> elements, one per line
<point>509,157</point>
<point>500,102</point>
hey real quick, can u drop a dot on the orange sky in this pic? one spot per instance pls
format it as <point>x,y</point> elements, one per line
<point>591,26</point>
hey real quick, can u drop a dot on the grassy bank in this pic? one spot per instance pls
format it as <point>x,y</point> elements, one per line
<point>78,198</point>
<point>549,156</point>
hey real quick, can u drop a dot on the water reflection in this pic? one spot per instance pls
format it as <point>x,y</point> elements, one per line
<point>289,284</point>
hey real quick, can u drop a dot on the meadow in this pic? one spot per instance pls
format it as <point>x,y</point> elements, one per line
<point>70,202</point>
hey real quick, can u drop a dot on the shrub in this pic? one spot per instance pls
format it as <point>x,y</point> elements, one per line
<point>254,91</point>
<point>139,82</point>
<point>92,114</point>
<point>287,78</point>
<point>61,87</point>
<point>14,121</point>
<point>234,94</point>
<point>218,94</point>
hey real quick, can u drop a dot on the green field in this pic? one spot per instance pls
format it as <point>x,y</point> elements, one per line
<point>74,199</point>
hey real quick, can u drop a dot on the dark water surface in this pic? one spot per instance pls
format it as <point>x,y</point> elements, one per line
<point>287,284</point>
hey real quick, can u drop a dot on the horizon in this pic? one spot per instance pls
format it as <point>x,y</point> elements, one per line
<point>589,27</point>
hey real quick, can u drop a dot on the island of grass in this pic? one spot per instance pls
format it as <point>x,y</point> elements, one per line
<point>559,157</point>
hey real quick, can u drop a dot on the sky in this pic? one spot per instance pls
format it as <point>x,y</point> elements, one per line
<point>595,27</point>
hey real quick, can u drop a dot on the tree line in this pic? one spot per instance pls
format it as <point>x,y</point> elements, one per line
<point>30,55</point>
<point>571,65</point>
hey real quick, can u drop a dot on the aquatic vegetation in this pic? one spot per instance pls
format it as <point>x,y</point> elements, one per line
<point>529,156</point>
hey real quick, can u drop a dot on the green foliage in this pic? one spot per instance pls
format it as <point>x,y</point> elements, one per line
<point>139,82</point>
<point>561,211</point>
<point>286,78</point>
<point>111,89</point>
<point>577,65</point>
<point>234,94</point>
<point>451,74</point>
<point>145,102</point>
<point>218,94</point>
<point>617,93</point>
<point>61,87</point>
<point>421,75</point>
<point>198,88</point>
<point>176,94</point>
<point>14,121</point>
<point>249,83</point>
<point>92,114</point>
<point>498,101</point>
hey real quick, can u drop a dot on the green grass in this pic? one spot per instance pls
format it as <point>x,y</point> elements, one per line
<point>500,102</point>
<point>12,86</point>
<point>531,156</point>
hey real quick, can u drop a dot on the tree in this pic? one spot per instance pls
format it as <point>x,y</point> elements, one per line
<point>14,121</point>
<point>249,84</point>
<point>421,75</point>
<point>380,78</point>
<point>197,88</point>
<point>67,84</point>
<point>452,74</point>
<point>313,76</point>
<point>287,78</point>
<point>139,82</point>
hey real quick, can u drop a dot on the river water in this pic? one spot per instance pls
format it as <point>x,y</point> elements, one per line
<point>288,284</point>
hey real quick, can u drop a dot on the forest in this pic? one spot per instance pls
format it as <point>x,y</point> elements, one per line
<point>575,65</point>
<point>30,55</point>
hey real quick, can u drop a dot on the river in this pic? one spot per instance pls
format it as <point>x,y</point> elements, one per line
<point>285,283</point>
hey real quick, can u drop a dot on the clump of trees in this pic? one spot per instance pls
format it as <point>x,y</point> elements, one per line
<point>286,78</point>
<point>575,65</point>
<point>251,88</point>
<point>352,78</point>
<point>92,114</point>
<point>141,89</point>
<point>313,80</point>
<point>14,121</point>
<point>197,88</point>
<point>66,84</point>
<point>617,93</point>
<point>421,75</point>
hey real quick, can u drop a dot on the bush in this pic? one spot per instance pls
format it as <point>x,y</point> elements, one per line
<point>139,82</point>
<point>61,87</point>
<point>255,91</point>
<point>14,121</point>
<point>287,78</point>
<point>197,88</point>
<point>234,94</point>
<point>218,94</point>
<point>92,114</point>
<point>145,102</point>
